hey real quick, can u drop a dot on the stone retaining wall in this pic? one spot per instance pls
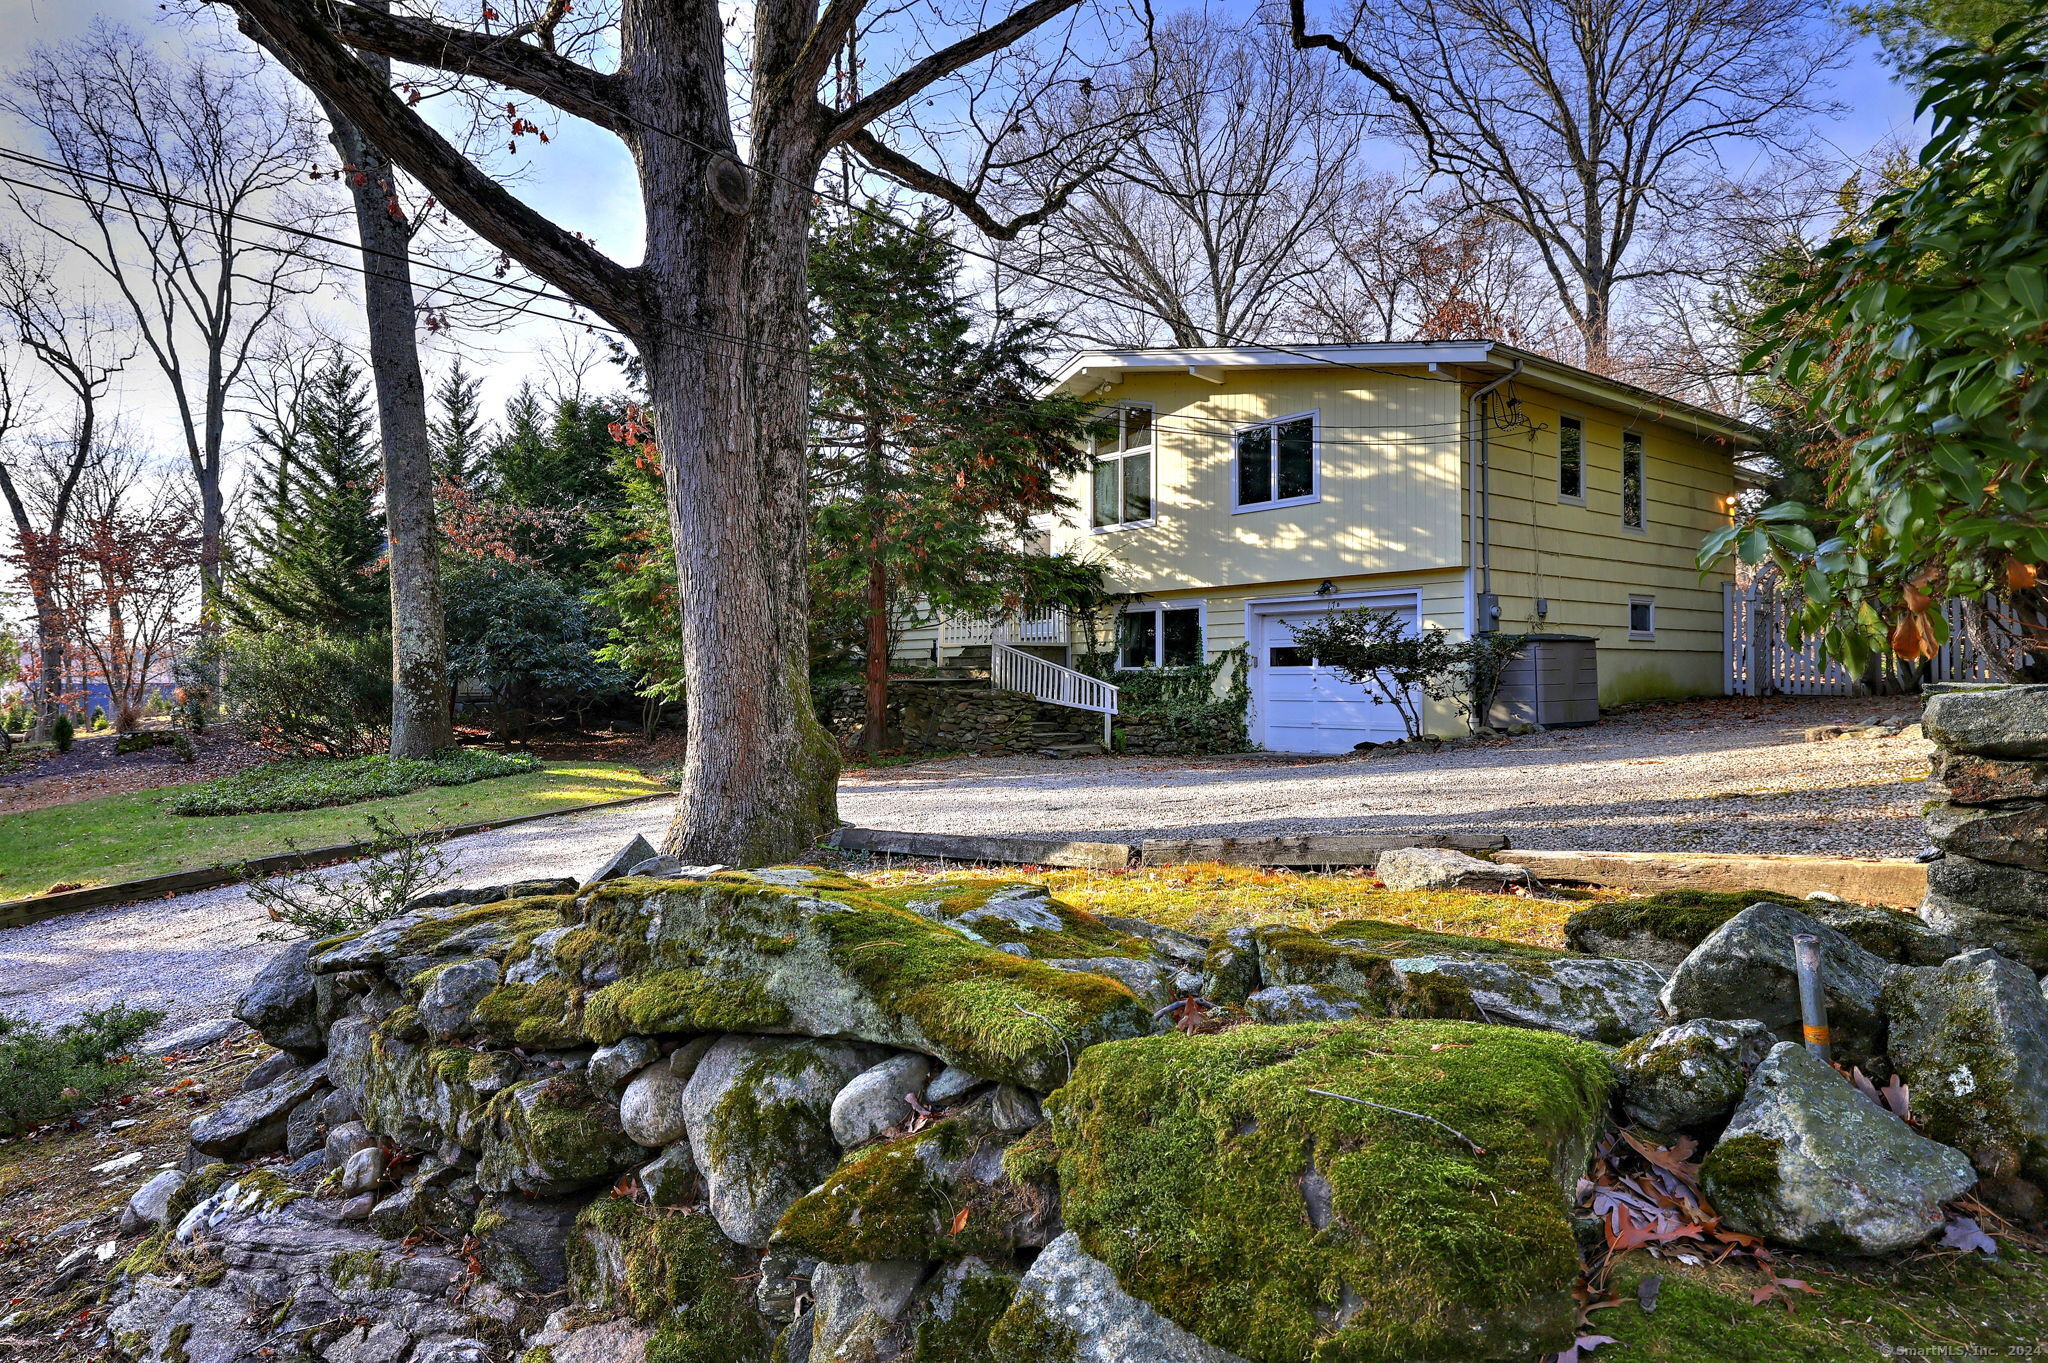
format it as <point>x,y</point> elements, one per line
<point>946,714</point>
<point>1990,887</point>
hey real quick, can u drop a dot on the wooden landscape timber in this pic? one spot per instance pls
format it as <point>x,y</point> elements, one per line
<point>1306,851</point>
<point>1892,882</point>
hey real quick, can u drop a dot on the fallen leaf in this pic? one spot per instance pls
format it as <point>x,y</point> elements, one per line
<point>1964,1233</point>
<point>960,1220</point>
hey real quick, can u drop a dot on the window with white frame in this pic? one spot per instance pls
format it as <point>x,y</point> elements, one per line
<point>1122,446</point>
<point>1276,462</point>
<point>1571,459</point>
<point>1632,480</point>
<point>1642,617</point>
<point>1159,636</point>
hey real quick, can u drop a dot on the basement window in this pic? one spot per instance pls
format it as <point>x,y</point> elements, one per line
<point>1159,636</point>
<point>1642,617</point>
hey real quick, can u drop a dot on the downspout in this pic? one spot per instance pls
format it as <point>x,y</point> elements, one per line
<point>1482,519</point>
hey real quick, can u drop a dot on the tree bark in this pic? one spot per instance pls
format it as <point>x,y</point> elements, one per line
<point>420,725</point>
<point>874,732</point>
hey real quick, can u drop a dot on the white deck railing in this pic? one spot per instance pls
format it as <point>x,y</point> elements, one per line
<point>1011,669</point>
<point>1047,626</point>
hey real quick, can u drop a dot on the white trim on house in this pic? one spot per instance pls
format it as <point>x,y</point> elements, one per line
<point>1642,635</point>
<point>1314,417</point>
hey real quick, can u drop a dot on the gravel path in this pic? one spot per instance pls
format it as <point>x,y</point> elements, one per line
<point>1717,776</point>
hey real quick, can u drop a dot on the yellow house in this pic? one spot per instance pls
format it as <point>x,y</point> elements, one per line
<point>1468,485</point>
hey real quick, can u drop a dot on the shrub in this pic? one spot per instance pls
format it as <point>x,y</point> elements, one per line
<point>61,733</point>
<point>141,742</point>
<point>403,862</point>
<point>1377,650</point>
<point>45,1074</point>
<point>310,691</point>
<point>528,638</point>
<point>317,783</point>
<point>99,719</point>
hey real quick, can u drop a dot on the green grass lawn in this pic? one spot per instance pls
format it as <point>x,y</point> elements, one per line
<point>123,837</point>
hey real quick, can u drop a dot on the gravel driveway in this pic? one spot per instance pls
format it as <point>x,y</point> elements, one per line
<point>1716,776</point>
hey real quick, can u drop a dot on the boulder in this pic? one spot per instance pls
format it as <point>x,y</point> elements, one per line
<point>1666,928</point>
<point>362,1172</point>
<point>270,1069</point>
<point>1283,1003</point>
<point>612,1066</point>
<point>1744,969</point>
<point>2010,836</point>
<point>194,1036</point>
<point>524,1241</point>
<point>147,1204</point>
<point>877,1100</point>
<point>550,1136</point>
<point>567,1338</point>
<point>796,950</point>
<point>1983,904</point>
<point>945,1192</point>
<point>671,1178</point>
<point>1609,1001</point>
<point>1809,1161</point>
<point>1191,1161</point>
<point>415,1094</point>
<point>1987,780</point>
<point>673,1271</point>
<point>1151,981</point>
<point>651,1109</point>
<point>950,1085</point>
<point>280,1004</point>
<point>758,1112</point>
<point>1441,868</point>
<point>1689,1076</point>
<point>1070,1306</point>
<point>1230,969</point>
<point>2004,721</point>
<point>859,1311</point>
<point>622,861</point>
<point>449,1001</point>
<point>252,1124</point>
<point>1970,1039</point>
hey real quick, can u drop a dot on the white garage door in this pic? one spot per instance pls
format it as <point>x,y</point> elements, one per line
<point>1304,706</point>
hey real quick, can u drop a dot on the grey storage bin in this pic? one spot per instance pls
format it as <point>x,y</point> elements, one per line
<point>1554,682</point>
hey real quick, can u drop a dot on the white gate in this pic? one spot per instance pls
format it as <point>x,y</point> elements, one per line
<point>1758,661</point>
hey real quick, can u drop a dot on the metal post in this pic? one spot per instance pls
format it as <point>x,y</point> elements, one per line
<point>1813,1004</point>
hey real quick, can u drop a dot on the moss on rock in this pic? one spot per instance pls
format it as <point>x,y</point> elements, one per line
<point>1397,939</point>
<point>551,1136</point>
<point>652,1002</point>
<point>672,1270</point>
<point>1284,1225</point>
<point>546,1014</point>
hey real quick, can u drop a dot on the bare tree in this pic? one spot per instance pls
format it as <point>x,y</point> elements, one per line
<point>159,168</point>
<point>1398,266</point>
<point>1595,126</point>
<point>716,310</point>
<point>79,348</point>
<point>1219,209</point>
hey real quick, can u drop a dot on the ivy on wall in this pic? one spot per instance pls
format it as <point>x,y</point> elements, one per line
<point>1176,711</point>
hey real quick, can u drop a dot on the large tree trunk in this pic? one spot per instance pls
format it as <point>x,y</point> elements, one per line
<point>726,257</point>
<point>420,724</point>
<point>874,732</point>
<point>49,657</point>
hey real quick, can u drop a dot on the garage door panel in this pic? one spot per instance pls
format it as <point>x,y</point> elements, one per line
<point>1309,708</point>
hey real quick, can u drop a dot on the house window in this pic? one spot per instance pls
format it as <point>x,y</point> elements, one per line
<point>1123,467</point>
<point>1631,480</point>
<point>1159,636</point>
<point>1642,617</point>
<point>1571,459</point>
<point>1276,463</point>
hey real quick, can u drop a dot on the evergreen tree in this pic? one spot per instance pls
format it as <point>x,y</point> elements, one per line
<point>460,434</point>
<point>931,452</point>
<point>314,558</point>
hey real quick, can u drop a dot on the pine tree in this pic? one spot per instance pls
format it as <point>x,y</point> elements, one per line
<point>931,452</point>
<point>315,556</point>
<point>461,436</point>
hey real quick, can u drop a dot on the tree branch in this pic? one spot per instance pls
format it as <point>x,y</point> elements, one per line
<point>313,54</point>
<point>826,37</point>
<point>1297,22</point>
<point>496,57</point>
<point>906,86</point>
<point>902,169</point>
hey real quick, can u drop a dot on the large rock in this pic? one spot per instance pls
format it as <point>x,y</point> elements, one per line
<point>1689,1076</point>
<point>1983,904</point>
<point>412,1092</point>
<point>793,950</point>
<point>1970,1038</point>
<point>2004,721</point>
<point>1809,1161</point>
<point>252,1124</point>
<point>524,1241</point>
<point>280,1004</point>
<point>2011,836</point>
<point>675,1272</point>
<point>1285,1003</point>
<point>651,1109</point>
<point>1189,1162</point>
<point>1230,968</point>
<point>878,1099</point>
<point>548,1136</point>
<point>1666,928</point>
<point>1609,1001</point>
<point>622,861</point>
<point>612,1066</point>
<point>1441,868</point>
<point>1987,780</point>
<point>758,1111</point>
<point>148,1204</point>
<point>1745,970</point>
<point>448,1003</point>
<point>1070,1306</point>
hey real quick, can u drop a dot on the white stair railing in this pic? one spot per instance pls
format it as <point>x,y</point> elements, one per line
<point>1011,669</point>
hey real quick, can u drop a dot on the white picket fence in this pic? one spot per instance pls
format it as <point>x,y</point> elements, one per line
<point>1758,661</point>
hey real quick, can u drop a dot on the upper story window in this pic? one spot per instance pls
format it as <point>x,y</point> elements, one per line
<point>1276,463</point>
<point>1571,459</point>
<point>1159,636</point>
<point>1632,480</point>
<point>1123,468</point>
